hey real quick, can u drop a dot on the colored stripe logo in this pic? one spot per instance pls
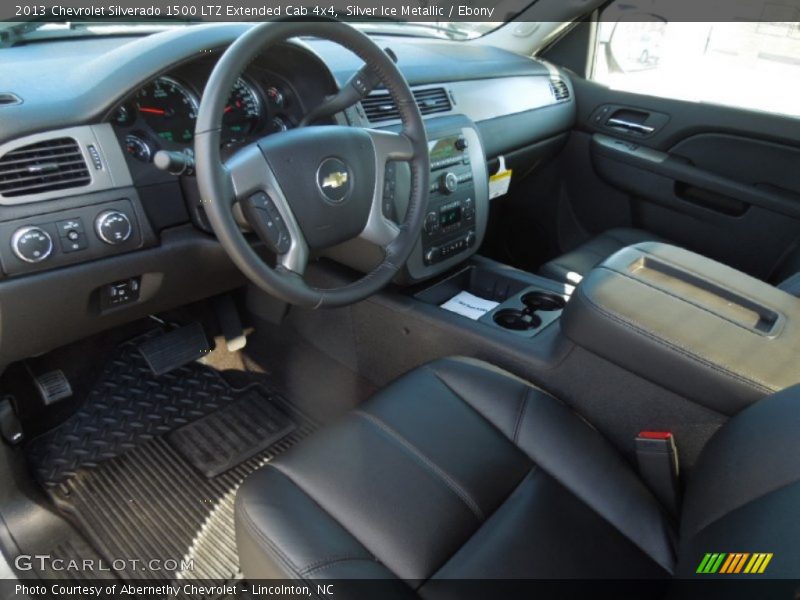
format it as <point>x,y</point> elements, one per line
<point>734,563</point>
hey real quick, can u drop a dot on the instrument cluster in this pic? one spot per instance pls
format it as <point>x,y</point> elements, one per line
<point>161,115</point>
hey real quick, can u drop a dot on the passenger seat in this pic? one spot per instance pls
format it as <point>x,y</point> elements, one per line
<point>574,265</point>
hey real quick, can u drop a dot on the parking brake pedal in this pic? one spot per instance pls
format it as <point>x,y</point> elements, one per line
<point>175,349</point>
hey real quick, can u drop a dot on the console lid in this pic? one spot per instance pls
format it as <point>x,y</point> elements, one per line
<point>697,327</point>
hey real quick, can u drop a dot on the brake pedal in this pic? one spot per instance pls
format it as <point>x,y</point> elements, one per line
<point>175,349</point>
<point>52,386</point>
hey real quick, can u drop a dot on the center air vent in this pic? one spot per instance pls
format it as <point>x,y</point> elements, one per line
<point>560,89</point>
<point>379,106</point>
<point>55,164</point>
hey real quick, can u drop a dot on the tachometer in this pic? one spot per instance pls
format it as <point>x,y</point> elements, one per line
<point>169,108</point>
<point>242,112</point>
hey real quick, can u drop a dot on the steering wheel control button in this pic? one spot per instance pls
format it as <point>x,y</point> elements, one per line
<point>334,180</point>
<point>266,219</point>
<point>32,244</point>
<point>389,185</point>
<point>72,235</point>
<point>113,227</point>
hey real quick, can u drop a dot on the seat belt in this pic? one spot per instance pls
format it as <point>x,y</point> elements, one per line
<point>658,465</point>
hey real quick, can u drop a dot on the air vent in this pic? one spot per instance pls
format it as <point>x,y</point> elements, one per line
<point>55,164</point>
<point>560,89</point>
<point>379,106</point>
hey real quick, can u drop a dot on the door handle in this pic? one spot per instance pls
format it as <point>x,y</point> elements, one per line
<point>630,126</point>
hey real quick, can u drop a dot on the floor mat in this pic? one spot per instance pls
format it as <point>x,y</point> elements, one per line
<point>127,407</point>
<point>230,436</point>
<point>148,469</point>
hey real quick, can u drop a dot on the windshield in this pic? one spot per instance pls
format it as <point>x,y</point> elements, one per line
<point>33,31</point>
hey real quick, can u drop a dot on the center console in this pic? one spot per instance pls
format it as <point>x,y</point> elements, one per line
<point>694,326</point>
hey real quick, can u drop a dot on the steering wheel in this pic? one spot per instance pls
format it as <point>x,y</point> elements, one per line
<point>310,188</point>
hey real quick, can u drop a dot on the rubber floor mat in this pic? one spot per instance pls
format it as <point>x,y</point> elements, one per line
<point>231,435</point>
<point>129,468</point>
<point>126,407</point>
<point>150,511</point>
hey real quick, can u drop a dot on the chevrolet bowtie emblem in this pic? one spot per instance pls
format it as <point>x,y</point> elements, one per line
<point>335,180</point>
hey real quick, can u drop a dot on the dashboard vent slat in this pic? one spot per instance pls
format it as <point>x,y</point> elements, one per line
<point>56,164</point>
<point>379,106</point>
<point>560,89</point>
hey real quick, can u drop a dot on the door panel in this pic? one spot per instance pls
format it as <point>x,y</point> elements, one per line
<point>720,181</point>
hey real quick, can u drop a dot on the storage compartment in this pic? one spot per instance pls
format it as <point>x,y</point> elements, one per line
<point>699,328</point>
<point>521,303</point>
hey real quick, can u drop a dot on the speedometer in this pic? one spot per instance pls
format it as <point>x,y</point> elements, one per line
<point>242,111</point>
<point>169,108</point>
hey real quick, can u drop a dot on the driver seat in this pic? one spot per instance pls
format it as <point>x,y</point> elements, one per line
<point>459,470</point>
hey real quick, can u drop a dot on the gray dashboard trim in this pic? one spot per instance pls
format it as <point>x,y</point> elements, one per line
<point>113,174</point>
<point>508,96</point>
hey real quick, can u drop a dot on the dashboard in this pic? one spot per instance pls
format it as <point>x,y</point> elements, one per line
<point>93,234</point>
<point>272,95</point>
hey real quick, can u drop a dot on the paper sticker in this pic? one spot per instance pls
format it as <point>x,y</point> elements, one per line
<point>500,181</point>
<point>469,305</point>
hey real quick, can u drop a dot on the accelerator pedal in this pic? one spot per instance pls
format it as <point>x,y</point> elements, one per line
<point>175,348</point>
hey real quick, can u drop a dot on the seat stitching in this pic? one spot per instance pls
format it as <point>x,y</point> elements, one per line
<point>522,408</point>
<point>320,565</point>
<point>346,529</point>
<point>451,483</point>
<point>547,472</point>
<point>699,359</point>
<point>534,468</point>
<point>336,558</point>
<point>268,544</point>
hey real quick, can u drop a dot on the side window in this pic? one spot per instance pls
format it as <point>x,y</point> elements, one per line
<point>747,64</point>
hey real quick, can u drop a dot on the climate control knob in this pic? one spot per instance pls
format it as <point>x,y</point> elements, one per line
<point>113,227</point>
<point>32,244</point>
<point>448,183</point>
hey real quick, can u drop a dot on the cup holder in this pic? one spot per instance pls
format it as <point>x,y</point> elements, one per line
<point>543,301</point>
<point>518,320</point>
<point>526,318</point>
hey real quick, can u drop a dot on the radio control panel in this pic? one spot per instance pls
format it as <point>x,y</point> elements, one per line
<point>450,224</point>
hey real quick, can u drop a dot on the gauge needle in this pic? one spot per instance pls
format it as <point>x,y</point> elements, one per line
<point>227,109</point>
<point>154,111</point>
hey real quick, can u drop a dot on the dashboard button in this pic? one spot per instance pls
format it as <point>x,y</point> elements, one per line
<point>32,244</point>
<point>448,183</point>
<point>113,227</point>
<point>431,222</point>
<point>69,225</point>
<point>74,241</point>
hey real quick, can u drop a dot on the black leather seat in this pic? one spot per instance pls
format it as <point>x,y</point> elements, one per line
<point>574,265</point>
<point>460,470</point>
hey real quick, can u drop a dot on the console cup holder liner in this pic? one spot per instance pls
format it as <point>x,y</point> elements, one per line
<point>543,301</point>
